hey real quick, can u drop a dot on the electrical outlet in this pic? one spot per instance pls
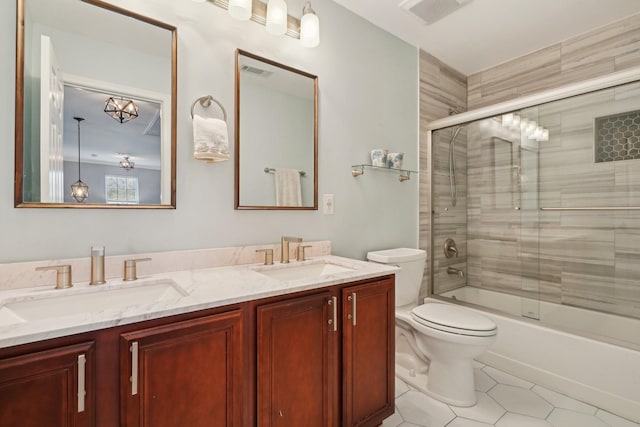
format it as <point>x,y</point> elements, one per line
<point>327,204</point>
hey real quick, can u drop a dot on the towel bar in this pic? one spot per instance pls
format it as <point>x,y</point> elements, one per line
<point>205,102</point>
<point>272,170</point>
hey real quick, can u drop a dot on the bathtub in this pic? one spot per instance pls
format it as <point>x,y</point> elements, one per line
<point>588,355</point>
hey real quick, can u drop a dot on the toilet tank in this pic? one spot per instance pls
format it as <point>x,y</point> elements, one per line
<point>409,278</point>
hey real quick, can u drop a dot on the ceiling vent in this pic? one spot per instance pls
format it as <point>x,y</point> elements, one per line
<point>430,11</point>
<point>255,71</point>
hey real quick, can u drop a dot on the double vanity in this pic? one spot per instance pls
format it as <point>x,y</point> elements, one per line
<point>308,343</point>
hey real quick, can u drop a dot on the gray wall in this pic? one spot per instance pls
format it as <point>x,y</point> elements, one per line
<point>368,92</point>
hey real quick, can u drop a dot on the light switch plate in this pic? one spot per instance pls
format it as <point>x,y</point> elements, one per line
<point>327,204</point>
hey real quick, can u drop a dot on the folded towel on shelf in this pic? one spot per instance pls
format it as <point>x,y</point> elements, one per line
<point>288,190</point>
<point>210,139</point>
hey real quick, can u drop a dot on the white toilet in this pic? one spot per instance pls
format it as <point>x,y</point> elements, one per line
<point>435,342</point>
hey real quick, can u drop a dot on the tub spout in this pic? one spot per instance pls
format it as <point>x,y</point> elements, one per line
<point>456,271</point>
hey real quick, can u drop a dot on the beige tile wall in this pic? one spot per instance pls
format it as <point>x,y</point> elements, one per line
<point>442,89</point>
<point>610,48</point>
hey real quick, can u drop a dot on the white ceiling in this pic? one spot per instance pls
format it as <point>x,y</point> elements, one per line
<point>485,33</point>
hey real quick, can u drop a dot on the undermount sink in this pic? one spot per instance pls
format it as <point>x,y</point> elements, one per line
<point>303,271</point>
<point>93,300</point>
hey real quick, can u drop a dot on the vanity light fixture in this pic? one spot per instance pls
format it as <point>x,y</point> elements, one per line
<point>277,17</point>
<point>79,190</point>
<point>309,27</point>
<point>127,164</point>
<point>121,109</point>
<point>240,9</point>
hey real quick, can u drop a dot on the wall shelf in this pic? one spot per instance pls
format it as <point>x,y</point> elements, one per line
<point>405,174</point>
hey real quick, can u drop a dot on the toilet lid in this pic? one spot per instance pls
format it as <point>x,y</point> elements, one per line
<point>453,319</point>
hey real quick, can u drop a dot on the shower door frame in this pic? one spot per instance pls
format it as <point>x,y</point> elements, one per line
<point>567,91</point>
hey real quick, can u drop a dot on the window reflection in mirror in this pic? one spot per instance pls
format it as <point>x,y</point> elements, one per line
<point>70,63</point>
<point>276,133</point>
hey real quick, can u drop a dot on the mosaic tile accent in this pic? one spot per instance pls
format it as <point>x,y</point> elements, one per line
<point>617,137</point>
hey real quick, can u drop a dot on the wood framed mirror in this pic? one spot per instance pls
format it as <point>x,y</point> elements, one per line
<point>276,118</point>
<point>95,102</point>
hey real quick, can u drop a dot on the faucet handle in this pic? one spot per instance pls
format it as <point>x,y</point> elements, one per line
<point>300,252</point>
<point>130,268</point>
<point>268,255</point>
<point>63,276</point>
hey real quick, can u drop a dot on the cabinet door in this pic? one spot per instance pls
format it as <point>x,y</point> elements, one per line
<point>49,388</point>
<point>184,374</point>
<point>368,353</point>
<point>297,362</point>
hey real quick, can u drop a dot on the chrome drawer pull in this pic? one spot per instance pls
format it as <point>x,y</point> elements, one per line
<point>134,368</point>
<point>334,302</point>
<point>82,360</point>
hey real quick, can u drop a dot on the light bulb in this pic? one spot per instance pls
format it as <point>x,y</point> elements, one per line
<point>240,9</point>
<point>277,17</point>
<point>309,27</point>
<point>507,119</point>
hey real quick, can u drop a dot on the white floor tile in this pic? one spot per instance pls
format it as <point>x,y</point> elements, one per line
<point>483,381</point>
<point>508,379</point>
<point>420,409</point>
<point>561,401</point>
<point>520,401</point>
<point>410,425</point>
<point>478,365</point>
<point>565,418</point>
<point>614,420</point>
<point>393,421</point>
<point>486,410</point>
<point>401,387</point>
<point>516,420</point>
<point>463,422</point>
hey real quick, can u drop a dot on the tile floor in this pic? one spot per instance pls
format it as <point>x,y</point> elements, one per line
<point>503,401</point>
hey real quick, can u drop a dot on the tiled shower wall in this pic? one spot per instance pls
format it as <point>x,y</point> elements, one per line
<point>600,52</point>
<point>442,89</point>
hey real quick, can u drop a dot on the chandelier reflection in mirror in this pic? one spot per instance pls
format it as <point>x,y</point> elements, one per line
<point>79,190</point>
<point>121,109</point>
<point>127,164</point>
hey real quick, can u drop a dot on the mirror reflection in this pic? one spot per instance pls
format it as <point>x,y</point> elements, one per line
<point>97,106</point>
<point>276,135</point>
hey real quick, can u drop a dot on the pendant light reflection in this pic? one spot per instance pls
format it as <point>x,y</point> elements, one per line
<point>276,17</point>
<point>121,109</point>
<point>309,27</point>
<point>240,9</point>
<point>127,164</point>
<point>79,190</point>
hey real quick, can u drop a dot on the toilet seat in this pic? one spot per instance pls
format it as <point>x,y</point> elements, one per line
<point>453,319</point>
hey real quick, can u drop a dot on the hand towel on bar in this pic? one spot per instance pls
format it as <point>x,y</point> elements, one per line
<point>288,191</point>
<point>210,139</point>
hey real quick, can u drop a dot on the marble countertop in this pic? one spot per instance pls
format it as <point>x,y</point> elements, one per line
<point>39,313</point>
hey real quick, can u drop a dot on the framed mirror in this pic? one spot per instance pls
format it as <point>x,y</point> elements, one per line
<point>276,163</point>
<point>95,107</point>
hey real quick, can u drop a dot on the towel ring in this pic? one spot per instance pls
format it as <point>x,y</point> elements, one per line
<point>205,102</point>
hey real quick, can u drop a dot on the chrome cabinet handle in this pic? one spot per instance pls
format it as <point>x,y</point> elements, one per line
<point>352,298</point>
<point>134,368</point>
<point>82,360</point>
<point>334,321</point>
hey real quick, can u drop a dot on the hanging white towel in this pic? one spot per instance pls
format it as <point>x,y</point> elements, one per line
<point>288,191</point>
<point>210,139</point>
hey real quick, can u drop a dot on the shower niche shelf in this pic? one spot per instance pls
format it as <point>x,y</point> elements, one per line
<point>405,174</point>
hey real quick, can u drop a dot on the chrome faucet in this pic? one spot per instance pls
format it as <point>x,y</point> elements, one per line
<point>284,247</point>
<point>97,265</point>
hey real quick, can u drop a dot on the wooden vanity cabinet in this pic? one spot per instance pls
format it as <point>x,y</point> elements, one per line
<point>53,388</point>
<point>368,353</point>
<point>327,359</point>
<point>183,374</point>
<point>297,363</point>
